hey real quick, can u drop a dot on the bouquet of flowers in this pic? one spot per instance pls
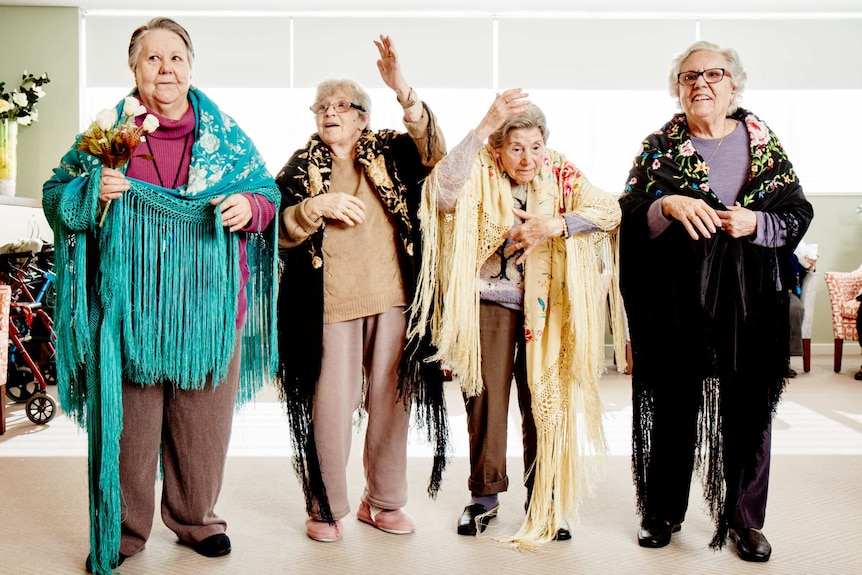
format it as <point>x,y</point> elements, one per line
<point>114,141</point>
<point>21,104</point>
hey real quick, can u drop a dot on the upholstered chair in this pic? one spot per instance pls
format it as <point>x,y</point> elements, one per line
<point>843,288</point>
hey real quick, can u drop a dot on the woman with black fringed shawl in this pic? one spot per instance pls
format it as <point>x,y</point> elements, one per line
<point>352,249</point>
<point>711,213</point>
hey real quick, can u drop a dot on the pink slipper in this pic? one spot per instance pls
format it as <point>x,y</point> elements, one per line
<point>396,521</point>
<point>323,531</point>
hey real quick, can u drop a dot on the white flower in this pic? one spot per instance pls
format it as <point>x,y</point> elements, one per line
<point>106,119</point>
<point>150,124</point>
<point>130,104</point>
<point>20,105</point>
<point>209,142</point>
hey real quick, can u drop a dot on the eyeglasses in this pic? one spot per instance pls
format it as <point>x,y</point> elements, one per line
<point>339,107</point>
<point>711,76</point>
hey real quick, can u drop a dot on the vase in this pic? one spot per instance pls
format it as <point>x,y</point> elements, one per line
<point>8,155</point>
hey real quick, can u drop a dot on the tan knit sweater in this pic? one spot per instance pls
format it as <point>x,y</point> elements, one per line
<point>362,275</point>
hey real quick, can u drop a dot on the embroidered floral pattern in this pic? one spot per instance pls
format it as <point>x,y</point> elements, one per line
<point>219,146</point>
<point>313,170</point>
<point>670,148</point>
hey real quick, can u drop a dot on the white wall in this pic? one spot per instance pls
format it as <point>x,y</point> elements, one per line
<point>599,77</point>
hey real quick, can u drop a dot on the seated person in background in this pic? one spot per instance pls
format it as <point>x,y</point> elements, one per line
<point>803,259</point>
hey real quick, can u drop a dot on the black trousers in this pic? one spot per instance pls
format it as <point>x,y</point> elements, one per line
<point>672,451</point>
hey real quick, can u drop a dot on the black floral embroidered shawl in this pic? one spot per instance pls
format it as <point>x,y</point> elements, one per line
<point>396,170</point>
<point>711,308</point>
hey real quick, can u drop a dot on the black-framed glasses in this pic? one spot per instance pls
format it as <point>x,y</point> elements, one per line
<point>711,76</point>
<point>340,107</point>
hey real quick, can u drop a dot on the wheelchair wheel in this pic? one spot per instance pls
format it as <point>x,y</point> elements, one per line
<point>41,408</point>
<point>20,383</point>
<point>50,372</point>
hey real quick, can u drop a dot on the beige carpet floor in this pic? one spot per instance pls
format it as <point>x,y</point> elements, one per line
<point>814,519</point>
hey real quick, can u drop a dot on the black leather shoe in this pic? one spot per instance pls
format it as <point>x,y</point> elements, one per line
<point>751,545</point>
<point>563,533</point>
<point>656,533</point>
<point>858,376</point>
<point>467,523</point>
<point>216,545</point>
<point>114,564</point>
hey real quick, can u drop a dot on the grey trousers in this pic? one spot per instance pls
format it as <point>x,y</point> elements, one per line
<point>192,428</point>
<point>371,346</point>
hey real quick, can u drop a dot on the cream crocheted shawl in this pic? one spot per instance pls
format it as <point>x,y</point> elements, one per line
<point>566,282</point>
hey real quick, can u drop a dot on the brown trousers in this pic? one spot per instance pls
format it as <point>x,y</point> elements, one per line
<point>193,428</point>
<point>501,334</point>
<point>371,345</point>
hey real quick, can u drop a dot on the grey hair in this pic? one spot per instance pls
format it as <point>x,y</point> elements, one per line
<point>734,66</point>
<point>532,117</point>
<point>159,24</point>
<point>357,94</point>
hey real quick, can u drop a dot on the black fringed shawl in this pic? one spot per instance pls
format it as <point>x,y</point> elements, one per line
<point>710,308</point>
<point>396,170</point>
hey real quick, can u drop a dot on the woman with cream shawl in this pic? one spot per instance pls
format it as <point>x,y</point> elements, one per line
<point>511,286</point>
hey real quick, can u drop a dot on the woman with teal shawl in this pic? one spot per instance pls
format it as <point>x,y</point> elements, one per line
<point>166,321</point>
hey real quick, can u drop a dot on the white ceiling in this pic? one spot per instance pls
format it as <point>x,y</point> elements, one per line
<point>483,6</point>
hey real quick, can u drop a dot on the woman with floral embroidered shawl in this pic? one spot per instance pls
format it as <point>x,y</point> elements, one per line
<point>512,287</point>
<point>712,211</point>
<point>352,247</point>
<point>168,308</point>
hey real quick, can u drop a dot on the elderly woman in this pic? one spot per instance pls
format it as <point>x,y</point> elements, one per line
<point>352,247</point>
<point>161,302</point>
<point>512,288</point>
<point>712,211</point>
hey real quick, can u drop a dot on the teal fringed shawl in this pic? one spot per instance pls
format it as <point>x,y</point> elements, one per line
<point>152,296</point>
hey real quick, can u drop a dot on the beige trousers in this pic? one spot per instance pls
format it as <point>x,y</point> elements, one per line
<point>371,346</point>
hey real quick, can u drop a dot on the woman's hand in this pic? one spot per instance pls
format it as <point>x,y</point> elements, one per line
<point>738,222</point>
<point>112,184</point>
<point>505,105</point>
<point>337,206</point>
<point>390,69</point>
<point>533,232</point>
<point>235,211</point>
<point>696,215</point>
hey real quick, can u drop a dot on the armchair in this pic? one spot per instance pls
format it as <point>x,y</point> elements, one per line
<point>843,288</point>
<point>809,292</point>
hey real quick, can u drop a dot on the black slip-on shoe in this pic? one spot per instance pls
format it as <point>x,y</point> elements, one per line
<point>217,545</point>
<point>656,533</point>
<point>751,545</point>
<point>475,519</point>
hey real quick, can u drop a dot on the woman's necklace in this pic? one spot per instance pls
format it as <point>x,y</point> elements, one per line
<point>712,155</point>
<point>179,164</point>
